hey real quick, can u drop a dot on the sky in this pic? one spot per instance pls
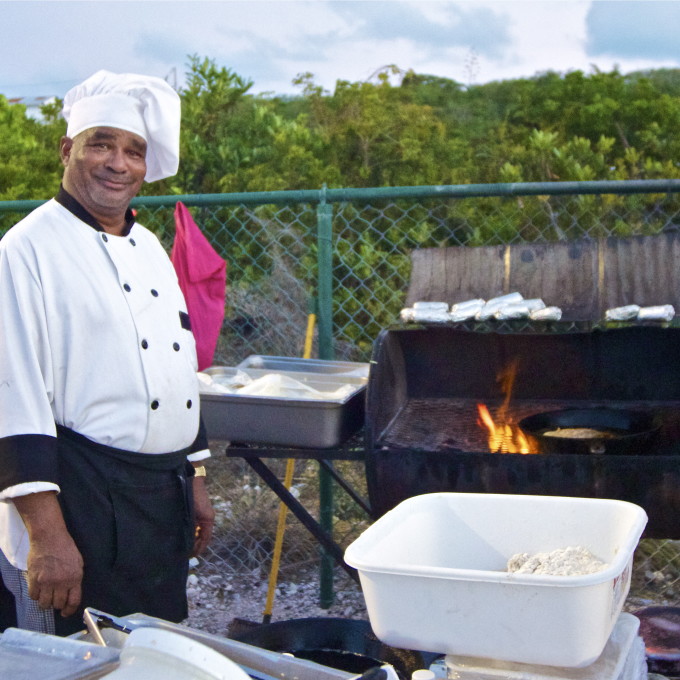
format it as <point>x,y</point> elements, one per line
<point>46,47</point>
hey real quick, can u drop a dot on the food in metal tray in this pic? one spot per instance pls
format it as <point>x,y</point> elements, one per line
<point>580,433</point>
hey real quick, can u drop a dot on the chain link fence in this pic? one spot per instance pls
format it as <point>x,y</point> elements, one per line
<point>274,245</point>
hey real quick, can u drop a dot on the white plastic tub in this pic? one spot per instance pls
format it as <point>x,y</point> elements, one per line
<point>433,574</point>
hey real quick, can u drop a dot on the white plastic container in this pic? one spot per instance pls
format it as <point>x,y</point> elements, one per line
<point>623,658</point>
<point>433,574</point>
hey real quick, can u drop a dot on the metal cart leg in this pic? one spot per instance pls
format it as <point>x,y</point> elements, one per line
<point>301,513</point>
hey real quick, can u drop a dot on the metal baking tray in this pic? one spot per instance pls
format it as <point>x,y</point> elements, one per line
<point>259,663</point>
<point>286,421</point>
<point>26,655</point>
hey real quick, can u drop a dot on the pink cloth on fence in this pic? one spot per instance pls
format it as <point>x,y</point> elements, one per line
<point>202,275</point>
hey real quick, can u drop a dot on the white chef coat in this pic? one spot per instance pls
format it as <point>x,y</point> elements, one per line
<point>93,336</point>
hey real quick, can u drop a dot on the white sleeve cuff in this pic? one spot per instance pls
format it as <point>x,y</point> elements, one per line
<point>198,455</point>
<point>25,488</point>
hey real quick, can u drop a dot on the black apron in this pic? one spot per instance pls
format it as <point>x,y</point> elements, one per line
<point>131,516</point>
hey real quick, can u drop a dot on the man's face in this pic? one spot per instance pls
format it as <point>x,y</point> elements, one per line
<point>104,170</point>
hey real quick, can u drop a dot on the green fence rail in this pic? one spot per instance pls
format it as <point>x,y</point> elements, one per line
<point>348,251</point>
<point>349,248</point>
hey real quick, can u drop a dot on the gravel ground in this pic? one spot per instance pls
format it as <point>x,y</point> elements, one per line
<point>215,600</point>
<point>221,604</point>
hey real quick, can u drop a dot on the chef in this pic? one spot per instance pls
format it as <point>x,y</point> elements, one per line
<point>102,495</point>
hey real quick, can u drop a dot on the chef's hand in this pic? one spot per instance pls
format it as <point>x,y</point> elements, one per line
<point>204,516</point>
<point>55,565</point>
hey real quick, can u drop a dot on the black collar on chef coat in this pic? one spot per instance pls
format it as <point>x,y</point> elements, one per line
<point>65,199</point>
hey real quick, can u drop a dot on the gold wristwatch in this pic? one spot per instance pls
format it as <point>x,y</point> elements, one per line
<point>199,471</point>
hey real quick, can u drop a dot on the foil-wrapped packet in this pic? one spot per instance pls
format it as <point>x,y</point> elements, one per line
<point>519,310</point>
<point>624,313</point>
<point>546,314</point>
<point>656,313</point>
<point>515,310</point>
<point>462,311</point>
<point>406,314</point>
<point>431,306</point>
<point>467,304</point>
<point>425,311</point>
<point>431,315</point>
<point>494,304</point>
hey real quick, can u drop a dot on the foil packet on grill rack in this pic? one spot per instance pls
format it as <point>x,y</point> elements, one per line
<point>406,314</point>
<point>624,313</point>
<point>494,304</point>
<point>519,310</point>
<point>430,315</point>
<point>546,314</point>
<point>515,310</point>
<point>656,313</point>
<point>462,311</point>
<point>425,311</point>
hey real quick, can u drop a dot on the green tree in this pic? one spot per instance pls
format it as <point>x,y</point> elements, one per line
<point>29,154</point>
<point>376,134</point>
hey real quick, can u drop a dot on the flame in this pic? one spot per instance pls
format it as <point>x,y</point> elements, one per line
<point>504,436</point>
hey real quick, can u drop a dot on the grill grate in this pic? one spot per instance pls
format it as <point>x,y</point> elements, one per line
<point>529,327</point>
<point>451,424</point>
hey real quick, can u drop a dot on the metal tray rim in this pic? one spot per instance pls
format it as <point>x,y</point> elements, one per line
<point>292,401</point>
<point>352,367</point>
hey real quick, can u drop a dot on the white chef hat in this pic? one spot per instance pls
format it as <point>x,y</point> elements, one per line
<point>145,105</point>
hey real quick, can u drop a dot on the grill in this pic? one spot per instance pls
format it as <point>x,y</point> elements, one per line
<point>422,433</point>
<point>445,424</point>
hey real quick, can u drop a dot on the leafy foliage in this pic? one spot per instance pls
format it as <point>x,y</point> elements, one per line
<point>425,130</point>
<point>29,153</point>
<point>394,130</point>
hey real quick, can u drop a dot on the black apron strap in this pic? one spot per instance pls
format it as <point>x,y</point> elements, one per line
<point>131,516</point>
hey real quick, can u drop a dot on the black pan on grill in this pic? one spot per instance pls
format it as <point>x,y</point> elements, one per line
<point>345,644</point>
<point>595,430</point>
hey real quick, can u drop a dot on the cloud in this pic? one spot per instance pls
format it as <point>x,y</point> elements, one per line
<point>466,24</point>
<point>260,41</point>
<point>48,46</point>
<point>634,30</point>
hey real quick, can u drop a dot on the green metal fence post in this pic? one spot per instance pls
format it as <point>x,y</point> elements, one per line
<point>325,326</point>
